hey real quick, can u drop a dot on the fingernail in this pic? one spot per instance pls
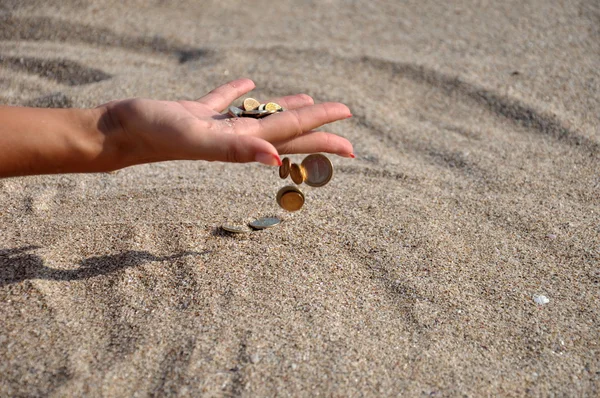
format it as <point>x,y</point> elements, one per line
<point>352,155</point>
<point>349,116</point>
<point>268,158</point>
<point>349,155</point>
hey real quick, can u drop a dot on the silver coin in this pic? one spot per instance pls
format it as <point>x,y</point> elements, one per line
<point>236,229</point>
<point>234,111</point>
<point>319,170</point>
<point>266,222</point>
<point>261,107</point>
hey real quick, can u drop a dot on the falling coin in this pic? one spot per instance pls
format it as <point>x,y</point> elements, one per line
<point>318,169</point>
<point>284,169</point>
<point>298,173</point>
<point>272,106</point>
<point>266,222</point>
<point>235,229</point>
<point>290,198</point>
<point>234,111</point>
<point>251,104</point>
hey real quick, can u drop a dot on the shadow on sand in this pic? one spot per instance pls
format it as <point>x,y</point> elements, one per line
<point>19,264</point>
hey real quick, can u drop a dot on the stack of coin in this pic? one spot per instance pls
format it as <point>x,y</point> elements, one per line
<point>253,108</point>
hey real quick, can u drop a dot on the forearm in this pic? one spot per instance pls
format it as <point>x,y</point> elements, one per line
<point>48,141</point>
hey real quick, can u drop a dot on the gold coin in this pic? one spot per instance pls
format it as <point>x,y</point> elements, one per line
<point>266,222</point>
<point>290,198</point>
<point>318,168</point>
<point>298,173</point>
<point>251,104</point>
<point>272,107</point>
<point>284,169</point>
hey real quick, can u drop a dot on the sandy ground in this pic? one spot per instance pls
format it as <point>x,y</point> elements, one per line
<point>476,186</point>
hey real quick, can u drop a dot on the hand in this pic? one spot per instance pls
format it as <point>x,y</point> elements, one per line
<point>166,130</point>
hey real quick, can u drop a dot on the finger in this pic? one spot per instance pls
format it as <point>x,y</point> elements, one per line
<point>238,149</point>
<point>294,101</point>
<point>292,123</point>
<point>316,141</point>
<point>220,98</point>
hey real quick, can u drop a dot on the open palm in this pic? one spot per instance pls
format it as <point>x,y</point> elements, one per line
<point>170,130</point>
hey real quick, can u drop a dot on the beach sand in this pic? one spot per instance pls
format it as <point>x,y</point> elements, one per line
<point>476,185</point>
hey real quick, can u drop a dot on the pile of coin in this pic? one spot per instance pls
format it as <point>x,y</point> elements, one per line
<point>253,108</point>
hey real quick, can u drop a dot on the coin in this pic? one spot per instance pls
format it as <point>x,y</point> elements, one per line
<point>290,198</point>
<point>266,113</point>
<point>266,222</point>
<point>318,168</point>
<point>284,169</point>
<point>236,229</point>
<point>298,173</point>
<point>250,104</point>
<point>253,108</point>
<point>234,111</point>
<point>272,106</point>
<point>256,113</point>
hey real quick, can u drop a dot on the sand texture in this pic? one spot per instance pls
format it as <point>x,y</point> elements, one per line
<point>412,273</point>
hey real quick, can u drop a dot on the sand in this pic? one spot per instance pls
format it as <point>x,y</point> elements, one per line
<point>476,186</point>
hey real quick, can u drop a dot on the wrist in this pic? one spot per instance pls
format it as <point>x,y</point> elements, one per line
<point>112,150</point>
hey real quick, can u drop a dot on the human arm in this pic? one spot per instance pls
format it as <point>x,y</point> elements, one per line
<point>135,131</point>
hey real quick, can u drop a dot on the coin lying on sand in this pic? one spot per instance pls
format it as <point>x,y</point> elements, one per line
<point>266,222</point>
<point>298,173</point>
<point>290,198</point>
<point>236,229</point>
<point>318,170</point>
<point>284,169</point>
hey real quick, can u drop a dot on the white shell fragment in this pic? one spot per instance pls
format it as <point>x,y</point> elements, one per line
<point>540,299</point>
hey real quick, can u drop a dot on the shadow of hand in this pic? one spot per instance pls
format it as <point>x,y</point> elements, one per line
<point>17,265</point>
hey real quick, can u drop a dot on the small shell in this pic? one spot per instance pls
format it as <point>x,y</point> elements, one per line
<point>540,299</point>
